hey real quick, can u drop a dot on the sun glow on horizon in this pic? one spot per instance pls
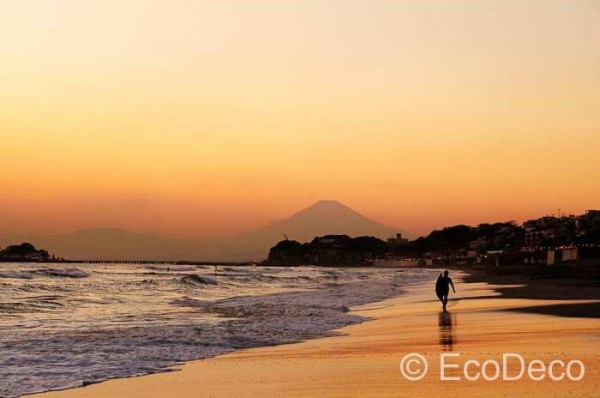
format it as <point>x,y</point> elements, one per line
<point>214,117</point>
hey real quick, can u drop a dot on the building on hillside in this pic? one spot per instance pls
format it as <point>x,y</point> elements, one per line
<point>533,238</point>
<point>397,241</point>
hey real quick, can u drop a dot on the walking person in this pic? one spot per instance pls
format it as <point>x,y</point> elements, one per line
<point>442,288</point>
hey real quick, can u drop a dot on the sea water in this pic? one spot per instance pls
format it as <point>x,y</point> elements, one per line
<point>68,325</point>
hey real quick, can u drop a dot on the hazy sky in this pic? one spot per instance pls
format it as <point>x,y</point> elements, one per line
<point>210,117</point>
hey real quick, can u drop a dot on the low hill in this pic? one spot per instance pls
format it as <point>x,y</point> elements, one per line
<point>325,217</point>
<point>109,244</point>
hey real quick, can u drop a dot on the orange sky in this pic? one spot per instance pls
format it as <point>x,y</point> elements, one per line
<point>194,118</point>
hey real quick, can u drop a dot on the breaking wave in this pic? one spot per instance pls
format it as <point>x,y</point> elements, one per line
<point>48,272</point>
<point>64,327</point>
<point>196,279</point>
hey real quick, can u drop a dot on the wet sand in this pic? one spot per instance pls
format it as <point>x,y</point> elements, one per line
<point>364,360</point>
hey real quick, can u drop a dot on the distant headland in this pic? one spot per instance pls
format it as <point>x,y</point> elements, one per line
<point>546,240</point>
<point>343,237</point>
<point>26,252</point>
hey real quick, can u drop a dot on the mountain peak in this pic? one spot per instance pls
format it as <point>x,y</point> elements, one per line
<point>337,212</point>
<point>325,217</point>
<point>327,204</point>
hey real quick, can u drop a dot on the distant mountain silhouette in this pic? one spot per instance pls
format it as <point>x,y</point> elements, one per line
<point>109,244</point>
<point>322,218</point>
<point>326,217</point>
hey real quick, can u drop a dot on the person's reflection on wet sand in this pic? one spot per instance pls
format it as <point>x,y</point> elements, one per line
<point>446,321</point>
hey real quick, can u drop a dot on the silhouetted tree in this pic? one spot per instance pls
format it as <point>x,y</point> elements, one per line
<point>23,252</point>
<point>371,245</point>
<point>287,252</point>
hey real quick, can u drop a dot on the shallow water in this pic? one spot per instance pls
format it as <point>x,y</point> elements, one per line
<point>68,325</point>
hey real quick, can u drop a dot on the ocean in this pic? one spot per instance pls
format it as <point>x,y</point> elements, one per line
<point>68,325</point>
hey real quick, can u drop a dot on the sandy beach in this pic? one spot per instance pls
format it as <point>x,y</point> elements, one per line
<point>364,359</point>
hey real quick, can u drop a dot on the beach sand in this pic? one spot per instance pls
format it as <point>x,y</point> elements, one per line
<point>364,360</point>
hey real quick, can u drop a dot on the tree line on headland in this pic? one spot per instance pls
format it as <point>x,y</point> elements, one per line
<point>328,250</point>
<point>565,237</point>
<point>526,243</point>
<point>26,252</point>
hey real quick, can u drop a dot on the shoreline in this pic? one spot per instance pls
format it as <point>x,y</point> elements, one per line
<point>268,319</point>
<point>333,366</point>
<point>570,281</point>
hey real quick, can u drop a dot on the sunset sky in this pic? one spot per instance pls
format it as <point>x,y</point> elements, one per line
<point>197,118</point>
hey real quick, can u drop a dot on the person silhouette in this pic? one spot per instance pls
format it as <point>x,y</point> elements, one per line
<point>442,288</point>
